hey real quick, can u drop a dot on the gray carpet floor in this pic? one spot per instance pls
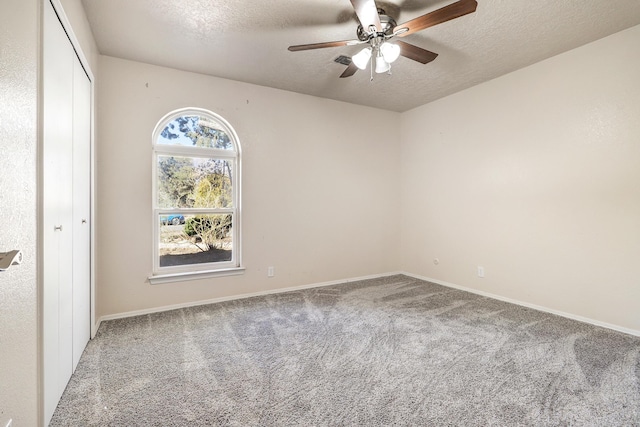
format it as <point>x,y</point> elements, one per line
<point>388,351</point>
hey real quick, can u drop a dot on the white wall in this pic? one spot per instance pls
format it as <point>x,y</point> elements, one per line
<point>320,185</point>
<point>18,145</point>
<point>536,177</point>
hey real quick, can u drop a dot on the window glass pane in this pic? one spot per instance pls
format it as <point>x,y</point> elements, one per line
<point>194,182</point>
<point>195,239</point>
<point>195,131</point>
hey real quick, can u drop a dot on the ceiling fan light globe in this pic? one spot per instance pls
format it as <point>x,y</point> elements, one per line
<point>361,59</point>
<point>390,52</point>
<point>382,66</point>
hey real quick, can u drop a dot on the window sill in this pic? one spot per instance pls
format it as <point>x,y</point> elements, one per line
<point>194,275</point>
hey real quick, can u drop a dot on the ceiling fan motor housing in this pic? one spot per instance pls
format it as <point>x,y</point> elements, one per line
<point>387,23</point>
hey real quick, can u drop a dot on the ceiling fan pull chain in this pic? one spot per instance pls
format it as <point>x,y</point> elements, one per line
<point>371,69</point>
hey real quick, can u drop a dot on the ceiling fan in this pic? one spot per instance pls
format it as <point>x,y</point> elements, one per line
<point>376,29</point>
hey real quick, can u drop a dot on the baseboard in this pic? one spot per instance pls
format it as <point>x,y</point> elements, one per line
<point>374,276</point>
<point>235,297</point>
<point>528,305</point>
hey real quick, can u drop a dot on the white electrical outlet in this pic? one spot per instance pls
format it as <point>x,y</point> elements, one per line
<point>271,271</point>
<point>480,271</point>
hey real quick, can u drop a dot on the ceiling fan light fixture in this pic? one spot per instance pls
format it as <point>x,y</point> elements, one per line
<point>361,59</point>
<point>382,66</point>
<point>390,52</point>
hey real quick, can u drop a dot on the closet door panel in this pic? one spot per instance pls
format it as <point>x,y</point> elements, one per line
<point>81,211</point>
<point>65,256</point>
<point>56,207</point>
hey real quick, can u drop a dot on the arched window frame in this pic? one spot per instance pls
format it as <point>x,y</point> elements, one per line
<point>164,274</point>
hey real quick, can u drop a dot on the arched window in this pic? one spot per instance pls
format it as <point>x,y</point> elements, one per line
<point>196,196</point>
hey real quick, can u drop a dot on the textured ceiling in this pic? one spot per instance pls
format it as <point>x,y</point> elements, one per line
<point>247,40</point>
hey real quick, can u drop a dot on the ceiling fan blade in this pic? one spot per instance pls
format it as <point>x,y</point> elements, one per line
<point>416,53</point>
<point>349,71</point>
<point>447,13</point>
<point>367,12</point>
<point>299,47</point>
